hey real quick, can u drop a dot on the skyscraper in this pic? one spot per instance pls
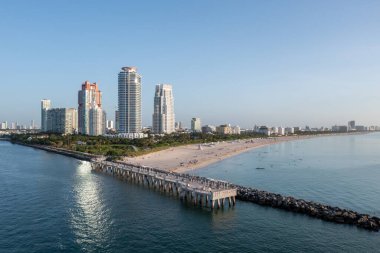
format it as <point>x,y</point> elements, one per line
<point>97,121</point>
<point>45,106</point>
<point>4,125</point>
<point>110,125</point>
<point>90,118</point>
<point>196,125</point>
<point>351,125</point>
<point>129,100</point>
<point>163,113</point>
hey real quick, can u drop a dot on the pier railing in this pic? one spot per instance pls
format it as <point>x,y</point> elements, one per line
<point>201,191</point>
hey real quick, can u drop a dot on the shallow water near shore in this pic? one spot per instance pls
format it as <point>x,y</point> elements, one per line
<point>340,171</point>
<point>52,203</point>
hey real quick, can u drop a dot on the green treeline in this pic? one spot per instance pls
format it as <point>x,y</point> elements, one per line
<point>116,147</point>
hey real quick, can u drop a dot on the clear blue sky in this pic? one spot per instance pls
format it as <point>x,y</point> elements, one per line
<point>239,62</point>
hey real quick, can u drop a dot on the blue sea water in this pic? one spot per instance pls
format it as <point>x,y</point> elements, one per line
<point>340,170</point>
<point>52,203</point>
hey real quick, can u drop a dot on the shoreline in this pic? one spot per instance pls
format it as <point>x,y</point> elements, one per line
<point>65,152</point>
<point>250,144</point>
<point>183,159</point>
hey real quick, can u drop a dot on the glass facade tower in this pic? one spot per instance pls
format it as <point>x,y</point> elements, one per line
<point>45,107</point>
<point>163,113</point>
<point>129,101</point>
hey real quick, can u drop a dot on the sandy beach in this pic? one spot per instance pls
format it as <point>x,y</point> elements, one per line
<point>195,156</point>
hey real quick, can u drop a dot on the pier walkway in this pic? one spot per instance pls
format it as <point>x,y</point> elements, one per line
<point>200,191</point>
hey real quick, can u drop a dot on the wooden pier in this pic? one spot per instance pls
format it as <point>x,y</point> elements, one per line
<point>200,191</point>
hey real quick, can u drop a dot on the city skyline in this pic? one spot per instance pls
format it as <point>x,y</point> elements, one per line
<point>190,126</point>
<point>285,72</point>
<point>90,119</point>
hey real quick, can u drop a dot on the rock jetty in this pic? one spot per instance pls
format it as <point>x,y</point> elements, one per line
<point>310,208</point>
<point>70,153</point>
<point>313,209</point>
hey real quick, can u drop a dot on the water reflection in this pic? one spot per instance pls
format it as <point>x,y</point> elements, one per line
<point>89,218</point>
<point>222,218</point>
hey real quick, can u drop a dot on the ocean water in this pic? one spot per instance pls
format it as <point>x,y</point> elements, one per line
<point>52,203</point>
<point>340,170</point>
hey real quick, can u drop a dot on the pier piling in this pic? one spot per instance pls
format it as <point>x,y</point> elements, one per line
<point>199,191</point>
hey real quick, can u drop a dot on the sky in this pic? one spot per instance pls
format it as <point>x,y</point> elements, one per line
<point>276,63</point>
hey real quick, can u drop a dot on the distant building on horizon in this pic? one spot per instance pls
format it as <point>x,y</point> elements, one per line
<point>361,128</point>
<point>339,128</point>
<point>45,106</point>
<point>289,130</point>
<point>163,111</point>
<point>266,131</point>
<point>91,117</point>
<point>208,129</point>
<point>235,130</point>
<point>223,129</point>
<point>178,126</point>
<point>4,125</point>
<point>351,125</point>
<point>227,129</point>
<point>117,121</point>
<point>281,131</point>
<point>110,125</point>
<point>196,125</point>
<point>129,101</point>
<point>274,130</point>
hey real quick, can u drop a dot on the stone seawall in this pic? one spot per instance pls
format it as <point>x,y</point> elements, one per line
<point>65,152</point>
<point>313,209</point>
<point>310,208</point>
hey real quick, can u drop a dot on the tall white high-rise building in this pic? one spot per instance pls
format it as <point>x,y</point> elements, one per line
<point>196,125</point>
<point>90,113</point>
<point>45,106</point>
<point>129,100</point>
<point>110,125</point>
<point>163,112</point>
<point>97,121</point>
<point>281,131</point>
<point>351,125</point>
<point>4,125</point>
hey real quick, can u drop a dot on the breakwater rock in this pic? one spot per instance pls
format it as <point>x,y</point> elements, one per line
<point>313,209</point>
<point>310,208</point>
<point>70,153</point>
